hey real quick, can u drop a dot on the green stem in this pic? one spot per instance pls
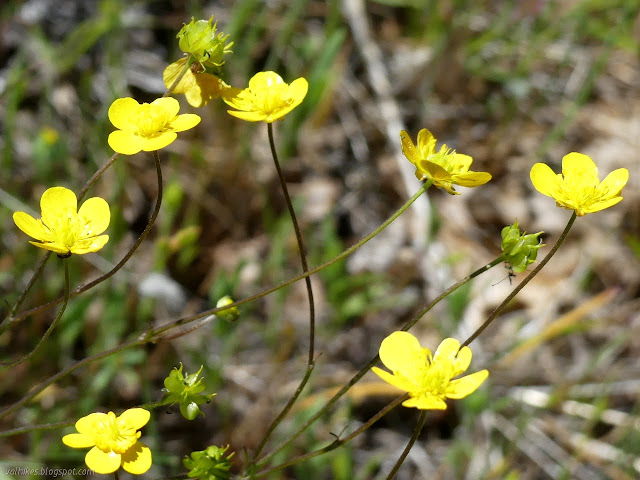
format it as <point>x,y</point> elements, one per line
<point>6,322</point>
<point>35,428</point>
<point>522,284</point>
<point>336,443</point>
<point>407,449</point>
<point>125,259</point>
<point>373,361</point>
<point>65,300</point>
<point>185,320</point>
<point>312,314</point>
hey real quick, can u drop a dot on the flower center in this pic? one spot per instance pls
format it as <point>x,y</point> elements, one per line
<point>150,120</point>
<point>114,435</point>
<point>433,377</point>
<point>272,98</point>
<point>66,230</point>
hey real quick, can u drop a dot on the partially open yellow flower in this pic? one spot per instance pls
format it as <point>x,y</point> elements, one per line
<point>147,126</point>
<point>199,88</point>
<point>268,98</point>
<point>63,228</point>
<point>446,167</point>
<point>114,441</point>
<point>428,379</point>
<point>578,187</point>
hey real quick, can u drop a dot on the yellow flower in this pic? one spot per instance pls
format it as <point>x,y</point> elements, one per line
<point>148,127</point>
<point>428,379</point>
<point>578,187</point>
<point>114,441</point>
<point>63,228</point>
<point>446,167</point>
<point>199,88</point>
<point>268,98</point>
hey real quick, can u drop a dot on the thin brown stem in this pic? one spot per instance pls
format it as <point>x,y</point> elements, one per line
<point>65,300</point>
<point>312,314</point>
<point>522,284</point>
<point>336,443</point>
<point>407,449</point>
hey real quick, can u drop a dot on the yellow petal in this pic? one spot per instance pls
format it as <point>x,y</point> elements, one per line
<point>169,105</point>
<point>54,247</point>
<point>460,163</point>
<point>58,202</point>
<point>32,227</point>
<point>172,71</point>
<point>471,179</point>
<point>449,351</point>
<point>264,80</point>
<point>298,90</point>
<point>579,171</point>
<point>89,245</point>
<point>78,440</point>
<point>161,141</point>
<point>125,142</point>
<point>121,111</point>
<point>426,143</point>
<point>464,386</point>
<point>397,382</point>
<point>87,424</point>
<point>135,417</point>
<point>408,148</point>
<point>248,116</point>
<point>96,215</point>
<point>615,181</point>
<point>599,205</point>
<point>398,350</point>
<point>544,180</point>
<point>102,462</point>
<point>426,402</point>
<point>184,122</point>
<point>137,460</point>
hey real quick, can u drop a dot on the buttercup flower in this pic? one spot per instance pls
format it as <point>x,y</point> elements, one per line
<point>63,228</point>
<point>199,87</point>
<point>578,187</point>
<point>268,98</point>
<point>446,167</point>
<point>114,441</point>
<point>147,126</point>
<point>427,378</point>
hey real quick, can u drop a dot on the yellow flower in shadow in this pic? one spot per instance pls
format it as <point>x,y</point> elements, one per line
<point>114,441</point>
<point>63,228</point>
<point>199,88</point>
<point>428,379</point>
<point>267,98</point>
<point>147,126</point>
<point>446,168</point>
<point>578,187</point>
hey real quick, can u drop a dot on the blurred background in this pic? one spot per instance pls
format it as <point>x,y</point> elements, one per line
<point>510,83</point>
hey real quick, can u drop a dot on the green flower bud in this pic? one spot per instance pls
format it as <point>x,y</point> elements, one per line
<point>201,40</point>
<point>230,314</point>
<point>519,249</point>
<point>185,389</point>
<point>209,464</point>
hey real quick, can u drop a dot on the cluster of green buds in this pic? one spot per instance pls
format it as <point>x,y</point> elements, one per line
<point>209,464</point>
<point>185,389</point>
<point>519,249</point>
<point>201,40</point>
